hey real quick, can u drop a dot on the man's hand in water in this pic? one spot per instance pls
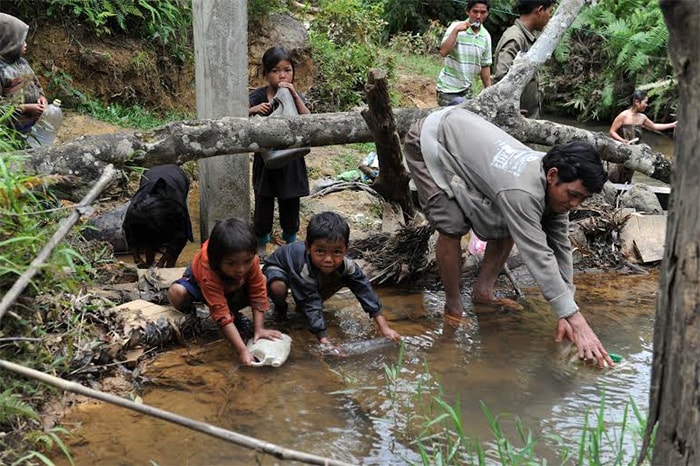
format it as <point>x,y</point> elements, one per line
<point>576,329</point>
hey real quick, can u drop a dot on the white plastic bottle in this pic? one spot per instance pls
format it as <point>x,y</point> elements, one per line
<point>45,130</point>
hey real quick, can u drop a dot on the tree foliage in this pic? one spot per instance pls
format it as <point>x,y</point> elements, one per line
<point>416,16</point>
<point>345,36</point>
<point>613,48</point>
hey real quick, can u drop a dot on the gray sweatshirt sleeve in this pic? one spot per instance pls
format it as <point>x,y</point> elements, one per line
<point>523,214</point>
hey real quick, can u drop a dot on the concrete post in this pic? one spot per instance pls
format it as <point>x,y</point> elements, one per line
<point>221,74</point>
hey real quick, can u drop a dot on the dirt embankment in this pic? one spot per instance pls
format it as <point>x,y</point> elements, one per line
<point>71,63</point>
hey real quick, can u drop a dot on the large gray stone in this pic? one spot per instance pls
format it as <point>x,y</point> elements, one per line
<point>108,227</point>
<point>641,198</point>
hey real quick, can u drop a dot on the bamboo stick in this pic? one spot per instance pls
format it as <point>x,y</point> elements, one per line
<point>213,431</point>
<point>66,224</point>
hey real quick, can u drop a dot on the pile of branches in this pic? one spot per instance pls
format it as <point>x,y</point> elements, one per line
<point>601,224</point>
<point>400,257</point>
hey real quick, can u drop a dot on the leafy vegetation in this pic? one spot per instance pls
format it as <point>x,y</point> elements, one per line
<point>46,331</point>
<point>613,48</point>
<point>134,116</point>
<point>417,16</point>
<point>344,45</point>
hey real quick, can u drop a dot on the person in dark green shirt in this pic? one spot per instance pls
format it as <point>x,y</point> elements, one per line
<point>534,16</point>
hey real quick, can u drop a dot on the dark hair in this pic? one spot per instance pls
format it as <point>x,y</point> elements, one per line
<point>577,160</point>
<point>329,226</point>
<point>229,237</point>
<point>273,56</point>
<point>472,3</point>
<point>639,95</point>
<point>528,6</point>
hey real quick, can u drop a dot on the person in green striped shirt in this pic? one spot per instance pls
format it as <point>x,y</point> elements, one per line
<point>466,47</point>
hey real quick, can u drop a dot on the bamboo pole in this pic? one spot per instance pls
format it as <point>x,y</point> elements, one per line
<point>67,223</point>
<point>213,431</point>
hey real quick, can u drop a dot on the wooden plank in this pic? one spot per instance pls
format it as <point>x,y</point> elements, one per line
<point>137,311</point>
<point>160,278</point>
<point>643,237</point>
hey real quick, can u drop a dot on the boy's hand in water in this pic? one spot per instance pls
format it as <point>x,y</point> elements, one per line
<point>391,334</point>
<point>385,329</point>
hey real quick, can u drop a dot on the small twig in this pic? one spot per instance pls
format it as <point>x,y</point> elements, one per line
<point>9,339</point>
<point>513,282</point>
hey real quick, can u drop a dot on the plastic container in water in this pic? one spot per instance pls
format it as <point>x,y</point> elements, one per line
<point>45,130</point>
<point>270,352</point>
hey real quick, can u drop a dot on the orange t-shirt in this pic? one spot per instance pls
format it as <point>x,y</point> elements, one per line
<point>214,287</point>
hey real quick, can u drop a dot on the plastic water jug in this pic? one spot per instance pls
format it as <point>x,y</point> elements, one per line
<point>270,352</point>
<point>45,130</point>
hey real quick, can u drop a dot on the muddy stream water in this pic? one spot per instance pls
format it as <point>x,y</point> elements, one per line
<point>341,407</point>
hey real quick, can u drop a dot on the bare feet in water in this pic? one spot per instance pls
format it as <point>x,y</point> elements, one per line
<point>495,305</point>
<point>456,320</point>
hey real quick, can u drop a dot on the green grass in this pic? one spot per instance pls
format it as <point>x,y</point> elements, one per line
<point>428,66</point>
<point>130,117</point>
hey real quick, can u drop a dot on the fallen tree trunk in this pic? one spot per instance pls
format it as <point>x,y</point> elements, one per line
<point>179,142</point>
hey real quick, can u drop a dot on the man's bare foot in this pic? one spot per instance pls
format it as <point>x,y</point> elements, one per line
<point>456,320</point>
<point>496,304</point>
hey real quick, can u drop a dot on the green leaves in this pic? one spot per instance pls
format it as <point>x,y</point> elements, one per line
<point>626,44</point>
<point>344,45</point>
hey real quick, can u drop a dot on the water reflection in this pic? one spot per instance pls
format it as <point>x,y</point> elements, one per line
<point>340,407</point>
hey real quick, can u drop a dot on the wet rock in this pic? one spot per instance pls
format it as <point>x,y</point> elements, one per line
<point>108,227</point>
<point>607,196</point>
<point>641,198</point>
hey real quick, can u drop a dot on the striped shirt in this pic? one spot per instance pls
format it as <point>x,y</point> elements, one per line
<point>471,52</point>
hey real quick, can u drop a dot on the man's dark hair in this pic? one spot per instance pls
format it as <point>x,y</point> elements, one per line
<point>528,6</point>
<point>471,3</point>
<point>329,226</point>
<point>230,236</point>
<point>577,160</point>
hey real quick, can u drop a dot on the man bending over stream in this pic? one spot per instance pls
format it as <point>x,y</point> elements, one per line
<point>471,174</point>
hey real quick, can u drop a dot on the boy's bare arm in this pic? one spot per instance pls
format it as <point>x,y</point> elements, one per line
<point>384,328</point>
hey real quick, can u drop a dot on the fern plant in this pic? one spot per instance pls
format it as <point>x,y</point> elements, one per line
<point>624,43</point>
